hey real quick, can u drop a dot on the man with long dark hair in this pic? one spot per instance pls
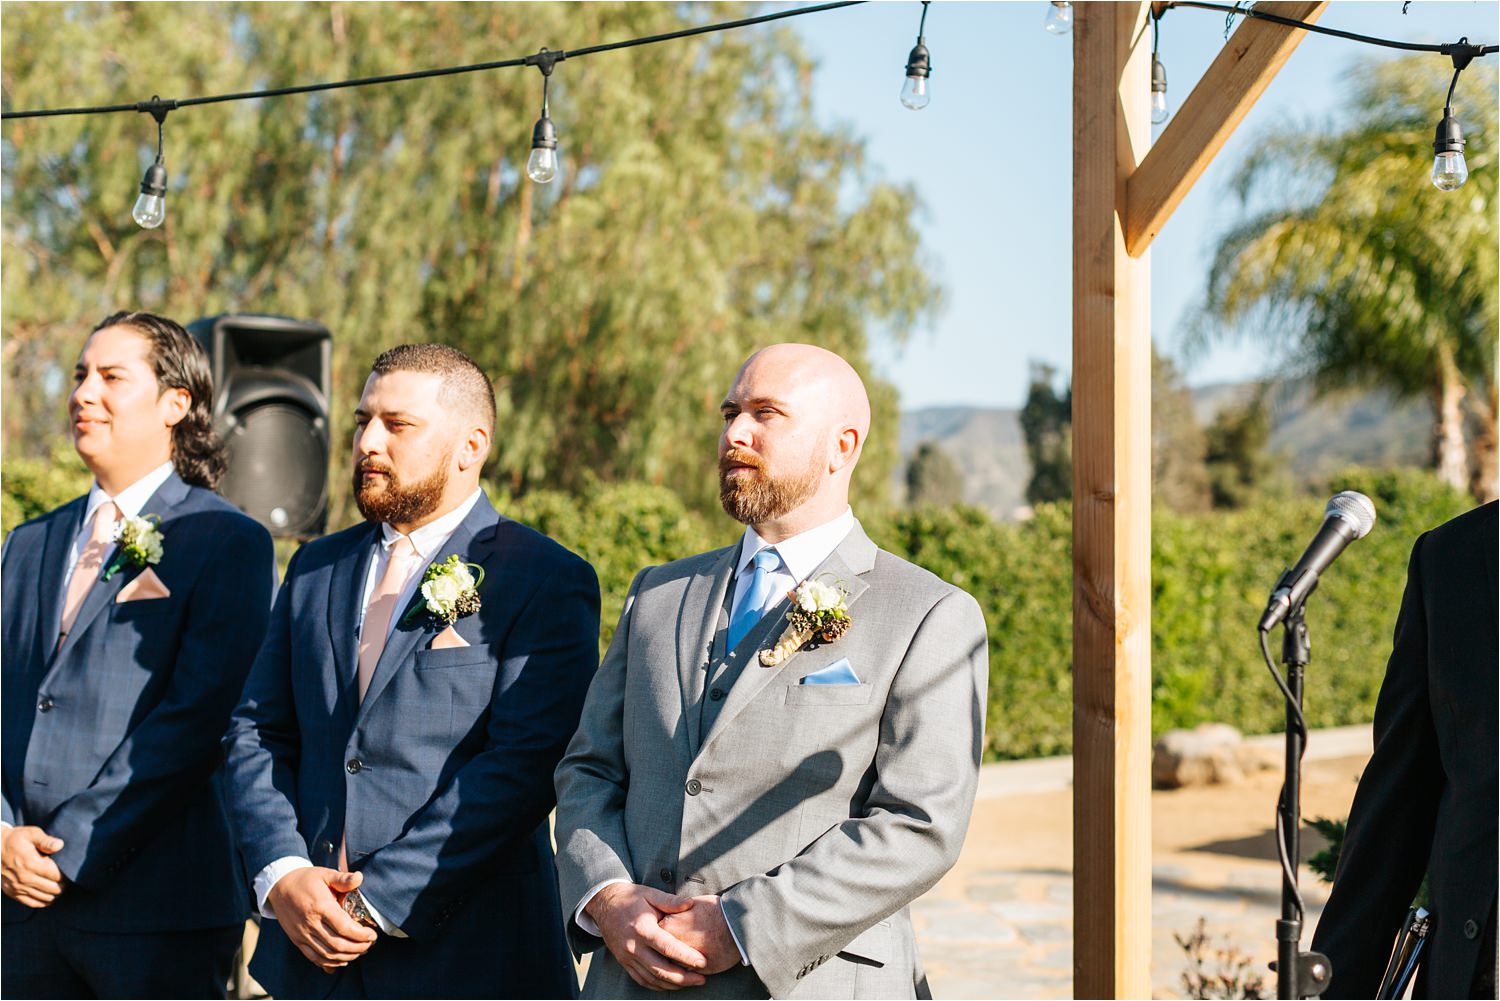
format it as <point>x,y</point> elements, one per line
<point>131,617</point>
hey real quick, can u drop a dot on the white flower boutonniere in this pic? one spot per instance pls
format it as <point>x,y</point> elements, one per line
<point>818,610</point>
<point>450,591</point>
<point>139,544</point>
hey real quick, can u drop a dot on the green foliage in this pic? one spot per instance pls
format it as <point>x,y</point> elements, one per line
<point>1236,453</point>
<point>36,486</point>
<point>619,528</point>
<point>1047,426</point>
<point>1178,478</point>
<point>933,479</point>
<point>1326,861</point>
<point>1358,270</point>
<point>702,212</point>
<point>1210,576</point>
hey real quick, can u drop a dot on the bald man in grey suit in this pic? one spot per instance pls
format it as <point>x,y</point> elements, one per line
<point>732,823</point>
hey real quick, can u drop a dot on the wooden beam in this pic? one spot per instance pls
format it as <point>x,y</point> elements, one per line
<point>1211,113</point>
<point>1111,511</point>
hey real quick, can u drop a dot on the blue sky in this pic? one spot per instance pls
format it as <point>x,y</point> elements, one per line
<point>991,161</point>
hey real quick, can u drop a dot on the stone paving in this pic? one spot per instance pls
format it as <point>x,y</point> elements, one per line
<point>1000,924</point>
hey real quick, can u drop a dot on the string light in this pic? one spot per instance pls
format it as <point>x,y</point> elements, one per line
<point>1449,171</point>
<point>1059,17</point>
<point>915,92</point>
<point>1159,109</point>
<point>151,207</point>
<point>543,164</point>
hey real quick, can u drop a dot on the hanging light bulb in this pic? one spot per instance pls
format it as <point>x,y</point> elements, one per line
<point>1159,110</point>
<point>915,92</point>
<point>1449,171</point>
<point>151,207</point>
<point>544,163</point>
<point>1059,17</point>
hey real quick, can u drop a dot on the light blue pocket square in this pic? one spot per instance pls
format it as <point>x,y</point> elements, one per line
<point>837,673</point>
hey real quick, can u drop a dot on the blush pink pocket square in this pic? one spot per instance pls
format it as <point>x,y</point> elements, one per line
<point>143,588</point>
<point>447,640</point>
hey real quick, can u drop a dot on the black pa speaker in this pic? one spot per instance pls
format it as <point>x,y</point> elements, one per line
<point>271,389</point>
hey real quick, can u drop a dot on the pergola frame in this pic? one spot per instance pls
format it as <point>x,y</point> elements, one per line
<point>1124,190</point>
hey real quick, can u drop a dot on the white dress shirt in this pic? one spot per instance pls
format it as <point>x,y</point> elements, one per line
<point>129,501</point>
<point>428,541</point>
<point>801,554</point>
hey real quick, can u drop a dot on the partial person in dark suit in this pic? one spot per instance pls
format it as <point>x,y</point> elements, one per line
<point>1427,801</point>
<point>122,661</point>
<point>391,762</point>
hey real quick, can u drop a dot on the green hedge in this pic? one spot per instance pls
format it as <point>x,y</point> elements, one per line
<point>1210,577</point>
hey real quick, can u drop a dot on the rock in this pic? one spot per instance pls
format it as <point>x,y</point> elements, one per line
<point>1211,753</point>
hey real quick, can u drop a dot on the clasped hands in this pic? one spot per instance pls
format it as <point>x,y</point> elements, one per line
<point>27,874</point>
<point>307,906</point>
<point>664,942</point>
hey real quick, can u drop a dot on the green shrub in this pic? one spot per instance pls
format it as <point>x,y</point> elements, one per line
<point>1210,577</point>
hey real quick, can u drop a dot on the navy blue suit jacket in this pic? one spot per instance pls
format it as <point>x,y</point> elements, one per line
<point>111,742</point>
<point>441,779</point>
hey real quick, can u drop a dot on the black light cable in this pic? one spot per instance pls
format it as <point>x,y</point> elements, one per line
<point>368,81</point>
<point>915,92</point>
<point>1443,48</point>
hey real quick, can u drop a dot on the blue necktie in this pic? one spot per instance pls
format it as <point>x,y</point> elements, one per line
<point>757,597</point>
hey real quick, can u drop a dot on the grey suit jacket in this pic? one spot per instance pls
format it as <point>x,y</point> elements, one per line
<point>818,812</point>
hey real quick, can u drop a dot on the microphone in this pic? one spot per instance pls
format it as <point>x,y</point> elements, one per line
<point>1348,516</point>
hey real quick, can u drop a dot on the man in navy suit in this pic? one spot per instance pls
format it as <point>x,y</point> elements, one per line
<point>391,760</point>
<point>122,662</point>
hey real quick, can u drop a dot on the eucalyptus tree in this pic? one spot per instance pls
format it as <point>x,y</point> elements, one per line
<point>1357,272</point>
<point>702,211</point>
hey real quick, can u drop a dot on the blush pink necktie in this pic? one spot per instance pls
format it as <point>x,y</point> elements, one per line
<point>90,559</point>
<point>382,606</point>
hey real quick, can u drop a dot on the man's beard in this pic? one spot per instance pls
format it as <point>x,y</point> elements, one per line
<point>398,503</point>
<point>755,498</point>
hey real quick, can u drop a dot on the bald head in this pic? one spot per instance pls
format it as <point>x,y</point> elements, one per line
<point>826,380</point>
<point>795,421</point>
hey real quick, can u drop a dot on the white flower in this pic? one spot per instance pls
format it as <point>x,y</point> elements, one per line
<point>442,592</point>
<point>822,597</point>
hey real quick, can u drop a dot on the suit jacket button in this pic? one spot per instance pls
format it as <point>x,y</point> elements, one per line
<point>354,766</point>
<point>694,787</point>
<point>666,875</point>
<point>46,705</point>
<point>327,847</point>
<point>716,694</point>
<point>1471,929</point>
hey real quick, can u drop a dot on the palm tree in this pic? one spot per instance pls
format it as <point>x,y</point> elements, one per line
<point>1361,273</point>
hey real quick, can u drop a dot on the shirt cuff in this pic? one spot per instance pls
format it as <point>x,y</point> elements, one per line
<point>380,920</point>
<point>583,920</point>
<point>271,875</point>
<point>744,959</point>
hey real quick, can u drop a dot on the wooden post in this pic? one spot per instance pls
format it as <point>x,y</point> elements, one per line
<point>1111,510</point>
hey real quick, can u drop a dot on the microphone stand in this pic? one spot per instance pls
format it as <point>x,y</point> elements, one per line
<point>1298,974</point>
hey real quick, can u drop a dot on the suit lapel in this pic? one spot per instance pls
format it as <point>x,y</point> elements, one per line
<point>163,503</point>
<point>847,564</point>
<point>60,535</point>
<point>345,589</point>
<point>477,529</point>
<point>698,632</point>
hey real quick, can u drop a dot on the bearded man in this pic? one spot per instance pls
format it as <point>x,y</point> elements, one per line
<point>390,763</point>
<point>780,749</point>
